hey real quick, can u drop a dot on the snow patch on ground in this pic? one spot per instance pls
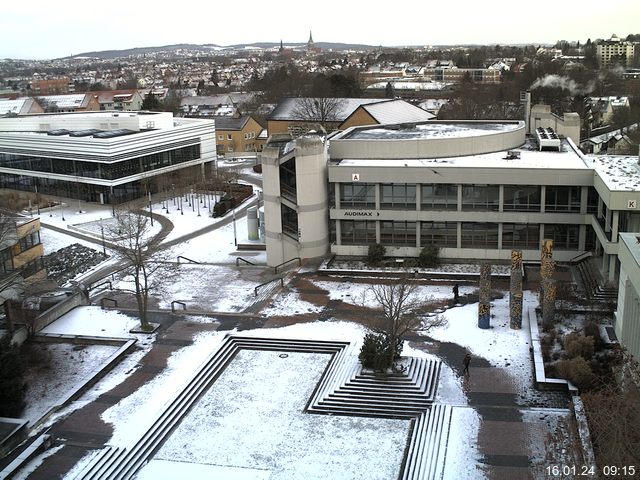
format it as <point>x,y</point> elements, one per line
<point>93,321</point>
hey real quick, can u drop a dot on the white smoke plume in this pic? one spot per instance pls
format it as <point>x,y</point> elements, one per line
<point>566,83</point>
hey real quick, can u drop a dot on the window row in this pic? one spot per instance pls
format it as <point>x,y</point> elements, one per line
<point>445,234</point>
<point>107,171</point>
<point>516,198</point>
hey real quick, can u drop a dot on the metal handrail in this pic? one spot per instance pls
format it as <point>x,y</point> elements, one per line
<point>275,269</point>
<point>108,282</point>
<point>244,260</point>
<point>173,308</point>
<point>255,290</point>
<point>187,259</point>
<point>580,257</point>
<point>106,299</point>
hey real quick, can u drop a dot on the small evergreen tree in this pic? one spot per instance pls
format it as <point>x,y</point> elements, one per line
<point>429,256</point>
<point>150,102</point>
<point>375,254</point>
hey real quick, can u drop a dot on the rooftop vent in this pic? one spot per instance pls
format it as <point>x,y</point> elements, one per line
<point>512,155</point>
<point>547,139</point>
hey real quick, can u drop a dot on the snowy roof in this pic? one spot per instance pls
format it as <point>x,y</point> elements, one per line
<point>286,108</point>
<point>618,172</point>
<point>67,101</point>
<point>417,86</point>
<point>396,111</point>
<point>529,157</point>
<point>632,242</point>
<point>12,106</point>
<point>431,130</point>
<point>230,123</point>
<point>108,96</point>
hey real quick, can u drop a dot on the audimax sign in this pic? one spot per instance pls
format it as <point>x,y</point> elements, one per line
<point>360,213</point>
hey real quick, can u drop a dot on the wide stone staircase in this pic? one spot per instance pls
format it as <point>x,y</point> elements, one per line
<point>594,286</point>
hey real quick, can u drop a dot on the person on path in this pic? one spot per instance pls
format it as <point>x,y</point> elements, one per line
<point>456,293</point>
<point>466,361</point>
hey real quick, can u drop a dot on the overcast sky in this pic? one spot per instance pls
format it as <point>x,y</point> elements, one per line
<point>52,29</point>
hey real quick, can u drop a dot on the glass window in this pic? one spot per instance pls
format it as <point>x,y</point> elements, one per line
<point>440,234</point>
<point>562,199</point>
<point>288,179</point>
<point>592,200</point>
<point>522,198</point>
<point>398,195</point>
<point>398,233</point>
<point>357,195</point>
<point>436,196</point>
<point>289,221</point>
<point>480,197</point>
<point>479,235</point>
<point>358,232</point>
<point>565,237</point>
<point>520,235</point>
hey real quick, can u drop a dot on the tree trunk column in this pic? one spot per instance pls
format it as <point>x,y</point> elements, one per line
<point>515,290</point>
<point>549,305</point>
<point>484,307</point>
<point>547,266</point>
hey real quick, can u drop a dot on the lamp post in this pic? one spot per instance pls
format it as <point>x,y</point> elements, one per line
<point>37,200</point>
<point>235,238</point>
<point>150,212</point>
<point>104,248</point>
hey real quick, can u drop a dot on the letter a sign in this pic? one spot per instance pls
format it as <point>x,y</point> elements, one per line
<point>355,177</point>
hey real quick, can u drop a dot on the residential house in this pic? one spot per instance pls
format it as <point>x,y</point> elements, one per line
<point>299,115</point>
<point>384,112</point>
<point>19,106</point>
<point>122,100</point>
<point>237,134</point>
<point>79,102</point>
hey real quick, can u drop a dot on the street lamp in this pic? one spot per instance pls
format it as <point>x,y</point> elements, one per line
<point>104,249</point>
<point>150,212</point>
<point>235,238</point>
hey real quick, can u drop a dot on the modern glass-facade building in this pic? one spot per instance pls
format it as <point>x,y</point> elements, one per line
<point>105,157</point>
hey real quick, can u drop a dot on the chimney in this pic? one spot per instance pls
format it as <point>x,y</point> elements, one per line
<point>525,98</point>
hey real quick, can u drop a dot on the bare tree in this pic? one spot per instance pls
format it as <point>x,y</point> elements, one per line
<point>135,244</point>
<point>401,312</point>
<point>321,110</point>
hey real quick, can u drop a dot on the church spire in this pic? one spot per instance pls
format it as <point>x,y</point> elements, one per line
<point>310,42</point>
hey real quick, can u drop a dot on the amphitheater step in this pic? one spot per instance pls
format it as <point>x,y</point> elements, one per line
<point>426,455</point>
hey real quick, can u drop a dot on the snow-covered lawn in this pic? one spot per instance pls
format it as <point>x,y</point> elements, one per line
<point>360,293</point>
<point>93,321</point>
<point>61,368</point>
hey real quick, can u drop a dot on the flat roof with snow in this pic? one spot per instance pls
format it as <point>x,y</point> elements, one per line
<point>431,130</point>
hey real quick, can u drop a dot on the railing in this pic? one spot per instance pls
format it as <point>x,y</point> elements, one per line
<point>108,282</point>
<point>239,259</point>
<point>275,269</point>
<point>105,300</point>
<point>255,290</point>
<point>173,307</point>
<point>580,257</point>
<point>187,259</point>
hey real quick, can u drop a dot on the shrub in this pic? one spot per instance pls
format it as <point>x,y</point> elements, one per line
<point>578,346</point>
<point>577,371</point>
<point>374,353</point>
<point>591,329</point>
<point>376,253</point>
<point>429,256</point>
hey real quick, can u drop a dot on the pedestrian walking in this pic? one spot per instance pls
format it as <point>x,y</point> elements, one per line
<point>456,293</point>
<point>466,361</point>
